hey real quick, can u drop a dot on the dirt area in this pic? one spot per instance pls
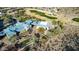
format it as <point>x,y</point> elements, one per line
<point>62,38</point>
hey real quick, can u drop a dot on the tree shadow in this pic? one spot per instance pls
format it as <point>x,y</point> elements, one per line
<point>1,28</point>
<point>1,25</point>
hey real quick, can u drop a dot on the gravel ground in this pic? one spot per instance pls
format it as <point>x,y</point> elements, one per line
<point>67,40</point>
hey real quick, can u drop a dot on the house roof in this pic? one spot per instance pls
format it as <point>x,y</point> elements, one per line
<point>19,26</point>
<point>28,21</point>
<point>2,33</point>
<point>41,24</point>
<point>11,30</point>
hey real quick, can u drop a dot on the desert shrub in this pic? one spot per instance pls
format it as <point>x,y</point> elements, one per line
<point>22,19</point>
<point>40,30</point>
<point>24,42</point>
<point>43,14</point>
<point>76,19</point>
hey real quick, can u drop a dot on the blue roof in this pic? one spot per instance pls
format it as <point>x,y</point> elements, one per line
<point>35,23</point>
<point>2,33</point>
<point>9,32</point>
<point>40,23</point>
<point>28,22</point>
<point>19,26</point>
<point>26,26</point>
<point>11,27</point>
